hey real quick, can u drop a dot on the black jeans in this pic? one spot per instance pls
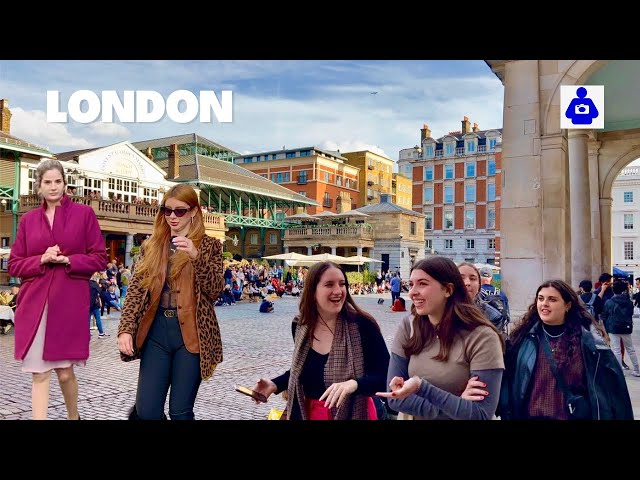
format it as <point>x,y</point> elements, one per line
<point>164,362</point>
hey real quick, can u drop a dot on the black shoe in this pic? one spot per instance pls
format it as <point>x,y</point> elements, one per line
<point>625,366</point>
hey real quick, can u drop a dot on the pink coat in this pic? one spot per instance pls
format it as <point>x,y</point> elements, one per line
<point>65,288</point>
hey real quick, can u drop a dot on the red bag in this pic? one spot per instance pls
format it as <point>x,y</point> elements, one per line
<point>317,411</point>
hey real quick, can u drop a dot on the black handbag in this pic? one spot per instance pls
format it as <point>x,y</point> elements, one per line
<point>578,406</point>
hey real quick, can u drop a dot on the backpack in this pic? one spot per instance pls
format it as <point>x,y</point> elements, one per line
<point>492,305</point>
<point>589,305</point>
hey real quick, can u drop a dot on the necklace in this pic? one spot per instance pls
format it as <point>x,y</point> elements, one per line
<point>553,336</point>
<point>325,324</point>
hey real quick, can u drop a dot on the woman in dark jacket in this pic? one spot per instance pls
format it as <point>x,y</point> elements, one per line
<point>588,382</point>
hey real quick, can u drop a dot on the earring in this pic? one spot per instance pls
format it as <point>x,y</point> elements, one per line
<point>191,220</point>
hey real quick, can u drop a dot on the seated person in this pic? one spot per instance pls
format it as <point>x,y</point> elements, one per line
<point>266,306</point>
<point>295,291</point>
<point>112,298</point>
<point>227,296</point>
<point>398,305</point>
<point>237,294</point>
<point>255,293</point>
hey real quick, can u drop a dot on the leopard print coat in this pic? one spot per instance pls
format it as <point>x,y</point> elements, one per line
<point>209,282</point>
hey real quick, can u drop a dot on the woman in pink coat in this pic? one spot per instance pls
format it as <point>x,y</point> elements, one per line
<point>57,248</point>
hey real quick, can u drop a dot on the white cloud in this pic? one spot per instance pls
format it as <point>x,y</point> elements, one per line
<point>32,126</point>
<point>108,129</point>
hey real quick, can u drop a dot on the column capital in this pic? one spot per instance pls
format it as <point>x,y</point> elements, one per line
<point>594,147</point>
<point>578,133</point>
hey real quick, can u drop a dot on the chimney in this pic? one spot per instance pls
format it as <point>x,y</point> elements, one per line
<point>475,127</point>
<point>5,117</point>
<point>385,198</point>
<point>174,162</point>
<point>149,153</point>
<point>466,125</point>
<point>424,132</point>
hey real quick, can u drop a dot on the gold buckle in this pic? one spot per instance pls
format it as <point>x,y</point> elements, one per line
<point>169,313</point>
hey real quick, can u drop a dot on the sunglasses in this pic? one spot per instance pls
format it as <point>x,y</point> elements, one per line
<point>180,212</point>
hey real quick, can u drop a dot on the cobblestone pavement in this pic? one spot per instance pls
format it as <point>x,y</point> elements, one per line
<point>255,344</point>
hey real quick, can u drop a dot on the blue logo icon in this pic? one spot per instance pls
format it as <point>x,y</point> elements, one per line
<point>582,110</point>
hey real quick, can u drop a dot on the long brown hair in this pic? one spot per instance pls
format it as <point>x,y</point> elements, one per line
<point>308,306</point>
<point>460,313</point>
<point>152,266</point>
<point>575,319</point>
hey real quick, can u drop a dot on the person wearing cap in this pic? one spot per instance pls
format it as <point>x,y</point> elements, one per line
<point>486,275</point>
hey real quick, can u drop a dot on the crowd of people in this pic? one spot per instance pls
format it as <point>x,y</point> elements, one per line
<point>456,354</point>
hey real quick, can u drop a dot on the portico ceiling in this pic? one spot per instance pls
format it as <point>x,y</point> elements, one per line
<point>621,100</point>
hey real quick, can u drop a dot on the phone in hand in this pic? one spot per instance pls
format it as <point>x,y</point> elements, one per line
<point>251,393</point>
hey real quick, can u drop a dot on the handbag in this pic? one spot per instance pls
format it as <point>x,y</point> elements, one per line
<point>577,405</point>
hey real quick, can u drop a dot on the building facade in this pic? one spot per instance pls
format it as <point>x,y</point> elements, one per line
<point>376,175</point>
<point>322,176</point>
<point>625,221</point>
<point>457,186</point>
<point>402,190</point>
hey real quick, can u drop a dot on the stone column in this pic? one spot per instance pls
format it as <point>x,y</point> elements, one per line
<point>286,249</point>
<point>594,186</point>
<point>359,250</point>
<point>127,250</point>
<point>309,250</point>
<point>333,250</point>
<point>580,206</point>
<point>605,235</point>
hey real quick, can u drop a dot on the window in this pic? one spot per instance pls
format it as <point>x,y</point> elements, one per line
<point>339,180</point>
<point>628,221</point>
<point>448,220</point>
<point>273,239</point>
<point>413,228</point>
<point>470,193</point>
<point>428,173</point>
<point>428,195</point>
<point>448,244</point>
<point>428,245</point>
<point>249,159</point>
<point>448,194</point>
<point>628,250</point>
<point>471,169</point>
<point>93,186</point>
<point>273,177</point>
<point>428,151</point>
<point>254,239</point>
<point>305,153</point>
<point>290,155</point>
<point>286,176</point>
<point>327,200</point>
<point>491,192</point>
<point>469,219</point>
<point>491,218</point>
<point>448,171</point>
<point>628,197</point>
<point>326,177</point>
<point>428,221</point>
<point>450,148</point>
<point>471,244</point>
<point>492,143</point>
<point>471,146</point>
<point>32,180</point>
<point>279,177</point>
<point>492,244</point>
<point>491,168</point>
<point>302,176</point>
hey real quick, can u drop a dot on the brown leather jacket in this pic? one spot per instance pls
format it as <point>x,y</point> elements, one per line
<point>199,285</point>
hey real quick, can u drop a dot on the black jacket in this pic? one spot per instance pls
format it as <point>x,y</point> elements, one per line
<point>606,385</point>
<point>617,315</point>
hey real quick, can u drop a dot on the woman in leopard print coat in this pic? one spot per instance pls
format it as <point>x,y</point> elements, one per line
<point>168,320</point>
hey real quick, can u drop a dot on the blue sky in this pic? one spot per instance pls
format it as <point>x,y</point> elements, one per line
<point>276,103</point>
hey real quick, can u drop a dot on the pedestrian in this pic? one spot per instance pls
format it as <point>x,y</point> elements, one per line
<point>340,358</point>
<point>558,364</point>
<point>169,320</point>
<point>442,347</point>
<point>58,247</point>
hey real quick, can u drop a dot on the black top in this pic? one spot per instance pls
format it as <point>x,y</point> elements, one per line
<point>376,365</point>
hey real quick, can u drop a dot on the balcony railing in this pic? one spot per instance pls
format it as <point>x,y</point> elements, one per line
<point>352,232</point>
<point>127,212</point>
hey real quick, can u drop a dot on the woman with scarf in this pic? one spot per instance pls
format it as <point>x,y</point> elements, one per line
<point>340,358</point>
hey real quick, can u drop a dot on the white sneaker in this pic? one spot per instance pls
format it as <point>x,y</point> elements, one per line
<point>103,335</point>
<point>7,328</point>
<point>635,374</point>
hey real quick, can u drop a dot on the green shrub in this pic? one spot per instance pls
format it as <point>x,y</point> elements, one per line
<point>354,277</point>
<point>227,255</point>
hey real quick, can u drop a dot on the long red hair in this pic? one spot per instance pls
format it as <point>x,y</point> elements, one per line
<point>152,266</point>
